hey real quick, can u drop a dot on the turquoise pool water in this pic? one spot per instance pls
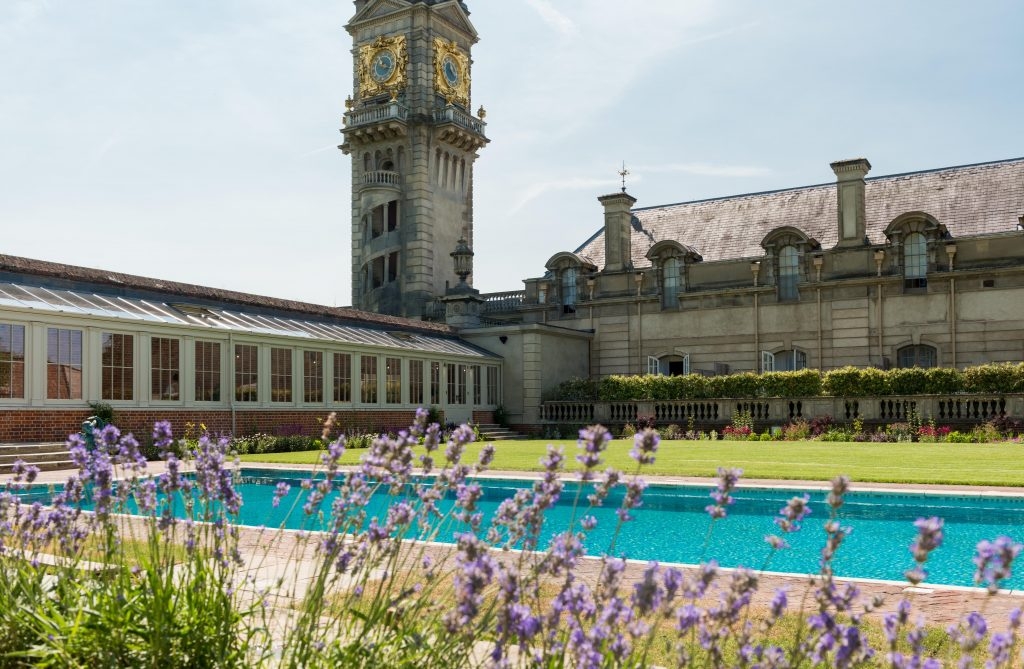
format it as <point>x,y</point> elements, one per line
<point>672,525</point>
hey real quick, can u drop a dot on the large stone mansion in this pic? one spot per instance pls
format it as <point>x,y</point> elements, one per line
<point>923,269</point>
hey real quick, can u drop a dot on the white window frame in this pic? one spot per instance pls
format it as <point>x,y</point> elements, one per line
<point>767,361</point>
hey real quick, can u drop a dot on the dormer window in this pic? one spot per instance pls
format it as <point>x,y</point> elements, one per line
<point>670,282</point>
<point>785,249</point>
<point>915,261</point>
<point>789,273</point>
<point>569,285</point>
<point>670,260</point>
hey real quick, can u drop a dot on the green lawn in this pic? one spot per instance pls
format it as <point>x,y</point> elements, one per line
<point>964,464</point>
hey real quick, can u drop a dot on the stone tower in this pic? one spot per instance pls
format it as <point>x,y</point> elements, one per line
<point>413,140</point>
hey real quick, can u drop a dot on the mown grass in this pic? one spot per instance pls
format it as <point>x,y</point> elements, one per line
<point>996,464</point>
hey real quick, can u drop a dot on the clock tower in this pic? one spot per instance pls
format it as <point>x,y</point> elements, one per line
<point>413,140</point>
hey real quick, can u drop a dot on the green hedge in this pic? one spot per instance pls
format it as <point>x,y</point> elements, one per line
<point>843,382</point>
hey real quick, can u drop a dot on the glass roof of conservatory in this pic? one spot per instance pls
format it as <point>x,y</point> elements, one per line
<point>218,318</point>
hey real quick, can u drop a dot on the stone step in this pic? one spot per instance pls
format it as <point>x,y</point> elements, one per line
<point>33,457</point>
<point>43,447</point>
<point>45,466</point>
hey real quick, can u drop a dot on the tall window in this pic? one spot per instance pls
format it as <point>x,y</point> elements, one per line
<point>435,383</point>
<point>368,379</point>
<point>790,361</point>
<point>915,259</point>
<point>569,290</point>
<point>312,376</point>
<point>416,382</point>
<point>670,282</point>
<point>63,364</point>
<point>12,361</point>
<point>118,366</point>
<point>393,380</point>
<point>789,273</point>
<point>492,385</point>
<point>920,355</point>
<point>456,383</point>
<point>280,375</point>
<point>247,358</point>
<point>207,371</point>
<point>478,381</point>
<point>342,377</point>
<point>165,366</point>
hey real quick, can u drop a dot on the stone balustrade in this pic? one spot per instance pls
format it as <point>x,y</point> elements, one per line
<point>388,112</point>
<point>501,302</point>
<point>944,409</point>
<point>452,114</point>
<point>382,178</point>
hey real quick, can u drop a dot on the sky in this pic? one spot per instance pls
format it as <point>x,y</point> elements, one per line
<point>195,140</point>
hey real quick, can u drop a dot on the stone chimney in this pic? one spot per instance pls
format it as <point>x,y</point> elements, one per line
<point>618,231</point>
<point>850,196</point>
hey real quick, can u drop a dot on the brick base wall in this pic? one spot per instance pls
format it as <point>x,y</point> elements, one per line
<point>41,425</point>
<point>484,417</point>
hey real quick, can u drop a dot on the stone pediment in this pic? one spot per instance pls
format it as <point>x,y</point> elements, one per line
<point>452,13</point>
<point>378,9</point>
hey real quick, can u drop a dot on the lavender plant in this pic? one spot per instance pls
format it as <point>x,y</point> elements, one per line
<point>127,568</point>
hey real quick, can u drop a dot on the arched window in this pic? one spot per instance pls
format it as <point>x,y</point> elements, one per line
<point>789,273</point>
<point>569,290</point>
<point>670,282</point>
<point>918,355</point>
<point>915,261</point>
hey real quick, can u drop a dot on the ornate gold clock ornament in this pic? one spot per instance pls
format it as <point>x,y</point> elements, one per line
<point>451,72</point>
<point>382,67</point>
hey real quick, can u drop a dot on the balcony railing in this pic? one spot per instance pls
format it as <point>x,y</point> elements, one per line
<point>382,178</point>
<point>944,409</point>
<point>511,300</point>
<point>388,112</point>
<point>452,114</point>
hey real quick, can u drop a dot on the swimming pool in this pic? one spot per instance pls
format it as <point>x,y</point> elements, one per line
<point>672,525</point>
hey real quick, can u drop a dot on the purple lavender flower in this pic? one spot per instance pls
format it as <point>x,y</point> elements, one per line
<point>994,561</point>
<point>727,480</point>
<point>791,515</point>
<point>633,499</point>
<point>929,537</point>
<point>645,445</point>
<point>280,491</point>
<point>162,438</point>
<point>840,486</point>
<point>604,487</point>
<point>474,572</point>
<point>592,442</point>
<point>486,457</point>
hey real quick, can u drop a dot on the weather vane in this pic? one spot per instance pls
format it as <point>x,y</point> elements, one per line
<point>624,173</point>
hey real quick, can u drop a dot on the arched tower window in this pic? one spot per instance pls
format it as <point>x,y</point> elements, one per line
<point>789,272</point>
<point>917,355</point>
<point>915,261</point>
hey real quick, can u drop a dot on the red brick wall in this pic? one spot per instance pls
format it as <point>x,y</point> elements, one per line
<point>40,425</point>
<point>485,417</point>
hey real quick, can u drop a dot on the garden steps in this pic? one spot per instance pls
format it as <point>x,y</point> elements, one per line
<point>492,432</point>
<point>47,456</point>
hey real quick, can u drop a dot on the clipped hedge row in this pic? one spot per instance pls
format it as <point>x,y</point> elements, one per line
<point>843,382</point>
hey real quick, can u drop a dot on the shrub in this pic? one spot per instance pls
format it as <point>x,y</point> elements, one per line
<point>911,381</point>
<point>803,383</point>
<point>575,389</point>
<point>994,378</point>
<point>901,431</point>
<point>796,430</point>
<point>672,432</point>
<point>837,434</point>
<point>957,437</point>
<point>942,380</point>
<point>628,431</point>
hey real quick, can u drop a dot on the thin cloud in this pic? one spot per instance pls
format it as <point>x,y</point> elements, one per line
<point>554,18</point>
<point>706,170</point>
<point>541,188</point>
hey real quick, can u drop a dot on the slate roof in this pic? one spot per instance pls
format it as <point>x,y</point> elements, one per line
<point>969,200</point>
<point>56,275</point>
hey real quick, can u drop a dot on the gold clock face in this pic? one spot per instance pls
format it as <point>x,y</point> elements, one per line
<point>381,67</point>
<point>451,72</point>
